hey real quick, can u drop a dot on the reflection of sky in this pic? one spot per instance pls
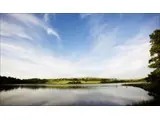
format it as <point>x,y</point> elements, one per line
<point>109,95</point>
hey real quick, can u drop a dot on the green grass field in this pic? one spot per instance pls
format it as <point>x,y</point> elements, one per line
<point>60,82</point>
<point>90,81</point>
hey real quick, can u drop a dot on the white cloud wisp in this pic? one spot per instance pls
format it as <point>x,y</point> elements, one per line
<point>23,54</point>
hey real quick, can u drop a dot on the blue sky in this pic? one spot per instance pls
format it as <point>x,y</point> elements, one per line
<point>76,45</point>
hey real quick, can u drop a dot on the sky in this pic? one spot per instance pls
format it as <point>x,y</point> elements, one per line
<point>76,45</point>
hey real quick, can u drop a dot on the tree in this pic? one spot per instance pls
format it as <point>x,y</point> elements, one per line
<point>154,62</point>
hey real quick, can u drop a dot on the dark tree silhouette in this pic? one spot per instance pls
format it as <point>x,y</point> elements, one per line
<point>154,62</point>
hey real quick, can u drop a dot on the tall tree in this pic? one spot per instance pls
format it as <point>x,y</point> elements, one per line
<point>154,62</point>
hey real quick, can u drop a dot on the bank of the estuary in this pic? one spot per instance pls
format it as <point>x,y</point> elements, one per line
<point>152,88</point>
<point>64,81</point>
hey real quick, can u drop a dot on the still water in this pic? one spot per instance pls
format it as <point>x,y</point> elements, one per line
<point>96,94</point>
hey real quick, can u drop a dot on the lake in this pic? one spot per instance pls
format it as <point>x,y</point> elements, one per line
<point>72,95</point>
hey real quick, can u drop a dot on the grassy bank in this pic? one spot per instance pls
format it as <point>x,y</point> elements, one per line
<point>63,81</point>
<point>153,89</point>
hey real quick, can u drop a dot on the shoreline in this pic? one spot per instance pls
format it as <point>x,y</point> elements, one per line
<point>153,89</point>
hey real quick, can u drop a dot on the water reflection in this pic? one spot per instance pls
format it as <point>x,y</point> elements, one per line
<point>32,86</point>
<point>98,94</point>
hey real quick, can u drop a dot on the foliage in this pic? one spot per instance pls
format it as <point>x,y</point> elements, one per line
<point>74,82</point>
<point>105,81</point>
<point>11,80</point>
<point>154,62</point>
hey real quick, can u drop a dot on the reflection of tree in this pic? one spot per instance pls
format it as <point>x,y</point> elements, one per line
<point>8,87</point>
<point>11,87</point>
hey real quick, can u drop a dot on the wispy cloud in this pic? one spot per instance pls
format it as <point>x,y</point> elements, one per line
<point>27,50</point>
<point>23,41</point>
<point>46,17</point>
<point>111,59</point>
<point>30,20</point>
<point>13,30</point>
<point>84,15</point>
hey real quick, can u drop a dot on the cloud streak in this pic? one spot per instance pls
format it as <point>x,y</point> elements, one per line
<point>85,15</point>
<point>30,21</point>
<point>46,17</point>
<point>26,50</point>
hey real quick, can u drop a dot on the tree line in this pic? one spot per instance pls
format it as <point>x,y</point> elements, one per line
<point>12,80</point>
